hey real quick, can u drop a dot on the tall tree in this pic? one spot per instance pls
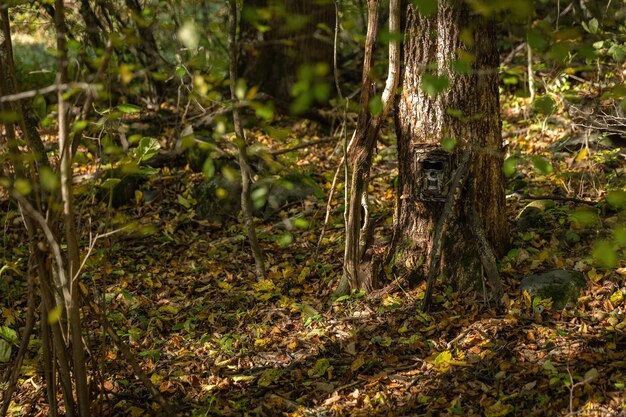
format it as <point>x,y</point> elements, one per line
<point>450,208</point>
<point>279,36</point>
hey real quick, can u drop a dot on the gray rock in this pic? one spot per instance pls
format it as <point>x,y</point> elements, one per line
<point>561,285</point>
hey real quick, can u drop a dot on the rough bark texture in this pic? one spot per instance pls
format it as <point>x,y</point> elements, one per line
<point>467,111</point>
<point>272,58</point>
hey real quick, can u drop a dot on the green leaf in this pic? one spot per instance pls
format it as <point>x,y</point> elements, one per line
<point>376,105</point>
<point>542,165</point>
<point>22,186</point>
<point>616,199</point>
<point>591,26</point>
<point>269,377</point>
<point>9,117</point>
<point>448,144</point>
<point>40,106</point>
<point>301,223</point>
<point>180,72</point>
<point>148,147</point>
<point>433,85</point>
<point>510,166</point>
<point>544,105</point>
<point>128,108</point>
<point>183,201</point>
<point>285,240</point>
<point>319,369</point>
<point>259,197</point>
<point>48,179</point>
<point>583,217</point>
<point>208,168</point>
<point>264,111</point>
<point>619,236</point>
<point>110,183</point>
<point>321,92</point>
<point>604,254</point>
<point>426,8</point>
<point>8,334</point>
<point>5,351</point>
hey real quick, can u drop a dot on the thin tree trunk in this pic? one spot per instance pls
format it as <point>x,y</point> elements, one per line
<point>359,271</point>
<point>242,146</point>
<point>9,86</point>
<point>73,256</point>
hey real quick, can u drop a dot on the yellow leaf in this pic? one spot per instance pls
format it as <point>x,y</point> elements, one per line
<point>287,272</point>
<point>264,286</point>
<point>357,363</point>
<point>138,196</point>
<point>594,276</point>
<point>156,379</point>
<point>498,410</point>
<point>261,342</point>
<point>55,314</point>
<point>269,377</point>
<point>617,297</point>
<point>582,154</point>
<point>169,309</point>
<point>224,285</point>
<point>126,73</point>
<point>621,271</point>
<point>442,361</point>
<point>303,274</point>
<point>527,299</point>
<point>320,368</point>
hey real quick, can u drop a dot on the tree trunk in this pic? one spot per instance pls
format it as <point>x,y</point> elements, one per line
<point>461,47</point>
<point>272,58</point>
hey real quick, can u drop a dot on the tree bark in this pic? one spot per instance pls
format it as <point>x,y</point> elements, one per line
<point>360,273</point>
<point>73,303</point>
<point>461,45</point>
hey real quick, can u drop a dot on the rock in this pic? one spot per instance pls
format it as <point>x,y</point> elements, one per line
<point>561,285</point>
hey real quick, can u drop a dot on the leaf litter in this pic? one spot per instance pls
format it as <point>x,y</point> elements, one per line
<point>215,341</point>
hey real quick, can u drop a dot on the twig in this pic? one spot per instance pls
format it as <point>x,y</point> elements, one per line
<point>50,237</point>
<point>301,145</point>
<point>335,42</point>
<point>487,256</point>
<point>49,89</point>
<point>126,353</point>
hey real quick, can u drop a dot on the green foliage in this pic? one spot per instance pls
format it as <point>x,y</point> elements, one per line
<point>433,85</point>
<point>426,8</point>
<point>311,87</point>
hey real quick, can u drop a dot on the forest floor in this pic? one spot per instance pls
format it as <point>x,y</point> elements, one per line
<point>217,342</point>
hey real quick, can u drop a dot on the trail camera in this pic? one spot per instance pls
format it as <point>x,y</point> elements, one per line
<point>433,171</point>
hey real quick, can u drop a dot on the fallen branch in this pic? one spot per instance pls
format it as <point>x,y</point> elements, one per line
<point>520,196</point>
<point>302,145</point>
